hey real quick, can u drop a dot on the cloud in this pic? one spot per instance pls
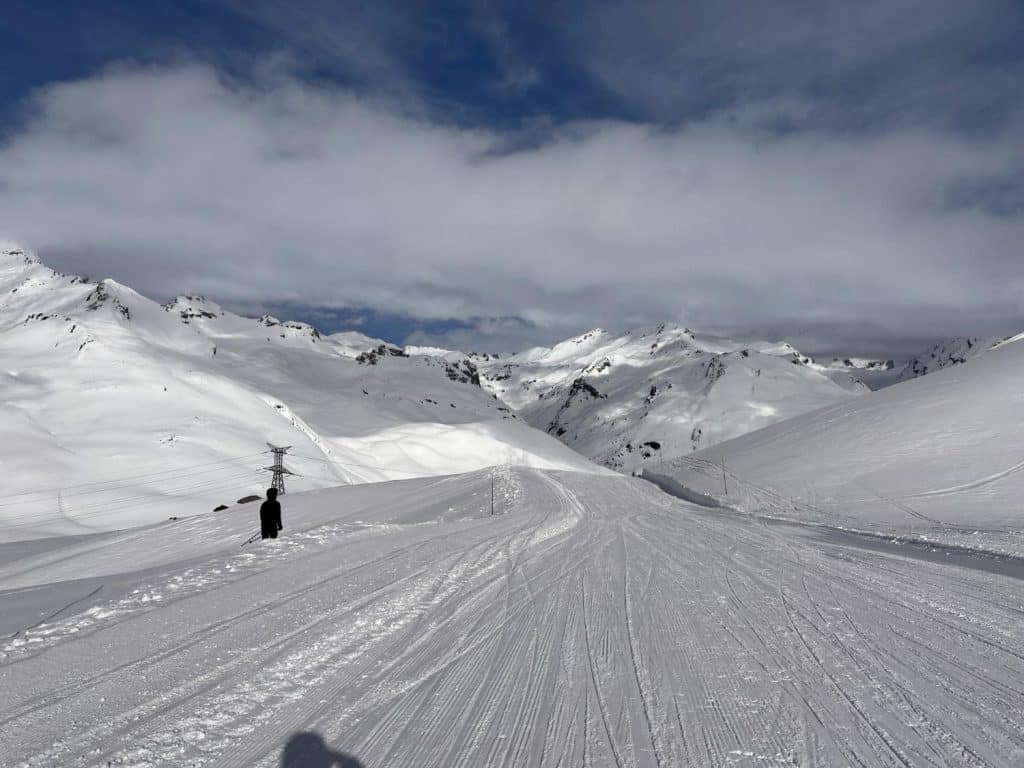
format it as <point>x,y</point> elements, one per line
<point>488,334</point>
<point>517,73</point>
<point>275,190</point>
<point>935,61</point>
<point>358,41</point>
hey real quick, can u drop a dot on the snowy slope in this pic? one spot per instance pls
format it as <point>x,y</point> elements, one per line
<point>592,621</point>
<point>634,399</point>
<point>940,456</point>
<point>876,374</point>
<point>945,354</point>
<point>119,411</point>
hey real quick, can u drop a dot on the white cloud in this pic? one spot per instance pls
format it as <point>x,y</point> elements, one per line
<point>176,179</point>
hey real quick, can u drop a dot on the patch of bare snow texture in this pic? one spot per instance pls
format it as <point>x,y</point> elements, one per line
<point>591,620</point>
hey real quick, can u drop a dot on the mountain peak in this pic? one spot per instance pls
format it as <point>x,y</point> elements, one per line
<point>13,255</point>
<point>190,307</point>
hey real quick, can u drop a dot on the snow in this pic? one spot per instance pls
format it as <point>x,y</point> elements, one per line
<point>353,343</point>
<point>632,400</point>
<point>950,352</point>
<point>936,458</point>
<point>592,620</point>
<point>119,411</point>
<point>876,374</point>
<point>454,587</point>
<point>955,351</point>
<point>446,354</point>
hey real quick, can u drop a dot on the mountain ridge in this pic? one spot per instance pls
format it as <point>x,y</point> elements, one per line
<point>628,399</point>
<point>98,383</point>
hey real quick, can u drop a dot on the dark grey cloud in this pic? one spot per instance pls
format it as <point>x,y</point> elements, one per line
<point>276,190</point>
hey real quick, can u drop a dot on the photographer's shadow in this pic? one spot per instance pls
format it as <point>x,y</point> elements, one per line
<point>308,750</point>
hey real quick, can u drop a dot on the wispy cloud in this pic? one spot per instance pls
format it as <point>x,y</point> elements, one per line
<point>940,62</point>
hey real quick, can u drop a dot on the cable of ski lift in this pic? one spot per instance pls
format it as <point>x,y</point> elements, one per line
<point>120,480</point>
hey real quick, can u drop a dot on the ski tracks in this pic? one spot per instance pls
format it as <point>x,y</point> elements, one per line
<point>597,623</point>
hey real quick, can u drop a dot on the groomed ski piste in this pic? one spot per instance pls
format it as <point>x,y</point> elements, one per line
<point>591,620</point>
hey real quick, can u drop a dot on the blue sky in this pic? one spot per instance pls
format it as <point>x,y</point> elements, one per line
<point>493,174</point>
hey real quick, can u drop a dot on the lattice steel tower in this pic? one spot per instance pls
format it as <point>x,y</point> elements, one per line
<point>279,468</point>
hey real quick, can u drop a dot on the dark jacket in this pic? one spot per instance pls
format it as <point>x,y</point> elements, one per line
<point>270,517</point>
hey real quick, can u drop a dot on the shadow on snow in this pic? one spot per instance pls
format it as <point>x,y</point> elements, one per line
<point>308,750</point>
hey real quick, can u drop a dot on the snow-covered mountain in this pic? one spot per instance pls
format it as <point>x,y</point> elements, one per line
<point>861,364</point>
<point>940,456</point>
<point>118,410</point>
<point>944,354</point>
<point>876,374</point>
<point>632,399</point>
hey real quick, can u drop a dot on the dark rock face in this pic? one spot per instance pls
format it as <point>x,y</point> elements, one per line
<point>952,352</point>
<point>371,357</point>
<point>99,297</point>
<point>581,385</point>
<point>191,314</point>
<point>504,373</point>
<point>581,389</point>
<point>464,372</point>
<point>714,369</point>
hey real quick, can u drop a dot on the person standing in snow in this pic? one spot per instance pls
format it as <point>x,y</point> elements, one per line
<point>270,515</point>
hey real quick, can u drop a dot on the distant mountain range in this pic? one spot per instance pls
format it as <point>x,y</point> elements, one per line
<point>99,384</point>
<point>636,399</point>
<point>628,400</point>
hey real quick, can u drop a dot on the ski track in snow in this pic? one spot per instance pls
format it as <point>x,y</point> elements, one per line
<point>598,622</point>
